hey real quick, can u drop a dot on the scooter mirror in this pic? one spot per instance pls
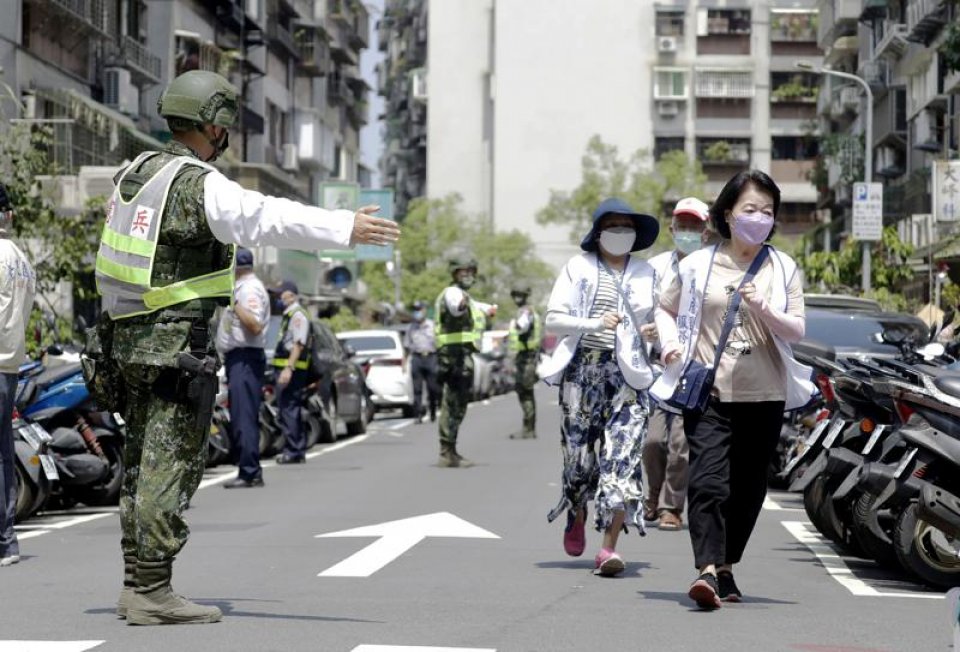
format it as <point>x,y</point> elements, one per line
<point>932,350</point>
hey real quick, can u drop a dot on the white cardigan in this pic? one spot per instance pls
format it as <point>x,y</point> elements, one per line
<point>694,275</point>
<point>573,295</point>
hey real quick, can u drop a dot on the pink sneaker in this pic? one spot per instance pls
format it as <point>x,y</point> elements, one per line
<point>574,535</point>
<point>609,563</point>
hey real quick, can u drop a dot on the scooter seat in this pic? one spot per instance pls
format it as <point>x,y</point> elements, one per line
<point>949,385</point>
<point>57,374</point>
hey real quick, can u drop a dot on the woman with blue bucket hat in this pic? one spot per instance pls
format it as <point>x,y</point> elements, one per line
<point>602,306</point>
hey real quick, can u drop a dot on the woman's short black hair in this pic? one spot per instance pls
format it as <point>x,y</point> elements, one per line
<point>731,193</point>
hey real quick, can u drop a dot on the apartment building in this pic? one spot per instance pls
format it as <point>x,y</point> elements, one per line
<point>518,87</point>
<point>894,46</point>
<point>727,91</point>
<point>93,70</point>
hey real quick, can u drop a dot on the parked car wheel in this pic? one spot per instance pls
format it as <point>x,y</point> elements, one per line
<point>328,424</point>
<point>359,426</point>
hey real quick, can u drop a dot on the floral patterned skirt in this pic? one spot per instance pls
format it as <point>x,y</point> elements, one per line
<point>604,422</point>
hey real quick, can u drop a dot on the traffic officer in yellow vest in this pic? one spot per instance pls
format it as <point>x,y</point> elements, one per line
<point>292,359</point>
<point>460,324</point>
<point>526,334</point>
<point>165,262</point>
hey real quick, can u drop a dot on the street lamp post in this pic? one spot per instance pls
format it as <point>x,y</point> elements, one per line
<point>868,147</point>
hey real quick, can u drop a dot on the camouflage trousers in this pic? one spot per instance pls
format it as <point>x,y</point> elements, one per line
<point>164,457</point>
<point>526,364</point>
<point>456,382</point>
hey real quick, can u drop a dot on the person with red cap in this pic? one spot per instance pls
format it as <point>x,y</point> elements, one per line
<point>665,452</point>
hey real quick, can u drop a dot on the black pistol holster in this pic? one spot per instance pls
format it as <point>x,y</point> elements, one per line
<point>198,377</point>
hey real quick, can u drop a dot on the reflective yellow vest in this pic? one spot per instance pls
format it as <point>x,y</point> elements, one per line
<point>532,342</point>
<point>467,329</point>
<point>128,246</point>
<point>282,355</point>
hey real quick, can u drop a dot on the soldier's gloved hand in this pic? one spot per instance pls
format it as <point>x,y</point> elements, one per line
<point>368,229</point>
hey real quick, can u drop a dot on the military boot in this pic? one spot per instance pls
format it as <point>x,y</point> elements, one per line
<point>129,584</point>
<point>462,462</point>
<point>448,456</point>
<point>155,603</point>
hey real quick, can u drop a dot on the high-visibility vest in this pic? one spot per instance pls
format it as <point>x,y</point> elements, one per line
<point>532,342</point>
<point>128,247</point>
<point>465,329</point>
<point>282,355</point>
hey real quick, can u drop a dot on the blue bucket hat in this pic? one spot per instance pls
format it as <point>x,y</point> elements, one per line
<point>646,226</point>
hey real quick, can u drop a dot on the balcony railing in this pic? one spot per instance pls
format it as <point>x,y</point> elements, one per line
<point>314,49</point>
<point>90,15</point>
<point>132,55</point>
<point>924,19</point>
<point>281,36</point>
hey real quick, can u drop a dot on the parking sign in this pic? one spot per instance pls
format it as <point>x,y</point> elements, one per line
<point>867,211</point>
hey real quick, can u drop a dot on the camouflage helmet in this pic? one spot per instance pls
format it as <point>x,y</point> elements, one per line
<point>200,97</point>
<point>461,262</point>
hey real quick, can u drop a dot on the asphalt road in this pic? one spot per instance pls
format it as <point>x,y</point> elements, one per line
<point>490,574</point>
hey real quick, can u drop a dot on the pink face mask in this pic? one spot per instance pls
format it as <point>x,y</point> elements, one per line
<point>752,228</point>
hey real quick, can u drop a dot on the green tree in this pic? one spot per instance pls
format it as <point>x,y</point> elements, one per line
<point>840,271</point>
<point>61,247</point>
<point>435,229</point>
<point>645,184</point>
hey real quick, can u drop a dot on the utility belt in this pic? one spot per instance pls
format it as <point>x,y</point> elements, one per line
<point>194,380</point>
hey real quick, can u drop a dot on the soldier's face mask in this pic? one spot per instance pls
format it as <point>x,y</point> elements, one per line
<point>519,299</point>
<point>465,280</point>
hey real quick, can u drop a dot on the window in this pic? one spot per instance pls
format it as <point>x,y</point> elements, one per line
<point>664,144</point>
<point>724,83</point>
<point>788,25</point>
<point>794,148</point>
<point>193,54</point>
<point>669,83</point>
<point>670,22</point>
<point>728,21</point>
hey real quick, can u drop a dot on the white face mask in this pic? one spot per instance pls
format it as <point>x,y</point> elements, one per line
<point>618,240</point>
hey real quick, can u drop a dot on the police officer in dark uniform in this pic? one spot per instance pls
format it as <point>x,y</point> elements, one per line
<point>292,359</point>
<point>420,342</point>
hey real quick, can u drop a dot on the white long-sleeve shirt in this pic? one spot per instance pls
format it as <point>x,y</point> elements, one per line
<point>249,218</point>
<point>18,284</point>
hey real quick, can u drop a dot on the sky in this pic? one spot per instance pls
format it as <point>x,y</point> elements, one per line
<point>371,138</point>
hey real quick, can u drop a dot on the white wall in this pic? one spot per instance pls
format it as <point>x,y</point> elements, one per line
<point>563,72</point>
<point>457,61</point>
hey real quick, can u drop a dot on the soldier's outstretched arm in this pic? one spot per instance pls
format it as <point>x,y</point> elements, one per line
<point>249,218</point>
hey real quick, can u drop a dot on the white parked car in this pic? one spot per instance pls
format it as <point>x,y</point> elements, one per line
<point>381,356</point>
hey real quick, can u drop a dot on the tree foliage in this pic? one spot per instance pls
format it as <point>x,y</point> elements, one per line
<point>60,247</point>
<point>433,230</point>
<point>645,184</point>
<point>840,271</point>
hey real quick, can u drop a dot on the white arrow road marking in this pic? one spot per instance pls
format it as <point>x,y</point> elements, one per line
<point>835,565</point>
<point>397,537</point>
<point>48,646</point>
<point>417,648</point>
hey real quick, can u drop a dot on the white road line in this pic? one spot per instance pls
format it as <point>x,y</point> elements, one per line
<point>401,424</point>
<point>48,646</point>
<point>772,505</point>
<point>835,565</point>
<point>415,648</point>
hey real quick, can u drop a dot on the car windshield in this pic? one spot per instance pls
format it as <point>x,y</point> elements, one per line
<point>370,342</point>
<point>858,330</point>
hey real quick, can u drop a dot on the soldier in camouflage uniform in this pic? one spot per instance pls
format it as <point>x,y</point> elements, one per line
<point>460,323</point>
<point>525,338</point>
<point>165,263</point>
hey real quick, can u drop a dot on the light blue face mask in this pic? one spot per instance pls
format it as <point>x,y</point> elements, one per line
<point>688,241</point>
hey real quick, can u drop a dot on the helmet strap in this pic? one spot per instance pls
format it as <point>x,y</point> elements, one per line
<point>219,145</point>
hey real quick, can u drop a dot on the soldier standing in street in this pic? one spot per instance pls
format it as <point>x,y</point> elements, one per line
<point>420,342</point>
<point>460,324</point>
<point>165,263</point>
<point>665,453</point>
<point>525,337</point>
<point>241,338</point>
<point>292,358</point>
<point>17,287</point>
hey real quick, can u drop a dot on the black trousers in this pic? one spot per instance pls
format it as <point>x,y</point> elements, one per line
<point>423,370</point>
<point>289,401</point>
<point>730,449</point>
<point>245,369</point>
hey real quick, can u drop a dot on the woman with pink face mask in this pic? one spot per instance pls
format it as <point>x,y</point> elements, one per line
<point>751,293</point>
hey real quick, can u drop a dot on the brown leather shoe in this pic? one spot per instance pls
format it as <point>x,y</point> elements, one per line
<point>670,521</point>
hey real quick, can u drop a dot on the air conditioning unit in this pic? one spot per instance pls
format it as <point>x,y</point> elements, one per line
<point>290,159</point>
<point>668,108</point>
<point>667,43</point>
<point>119,93</point>
<point>418,84</point>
